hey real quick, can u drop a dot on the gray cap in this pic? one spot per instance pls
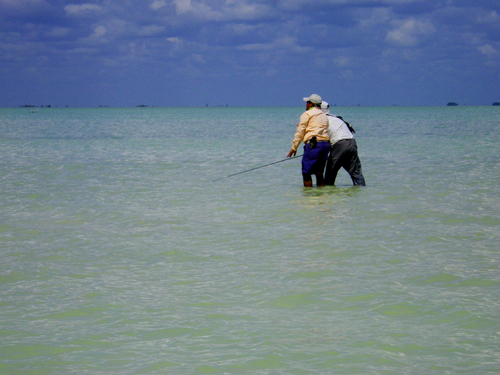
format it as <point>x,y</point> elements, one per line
<point>314,99</point>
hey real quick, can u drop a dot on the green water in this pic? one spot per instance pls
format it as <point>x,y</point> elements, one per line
<point>119,255</point>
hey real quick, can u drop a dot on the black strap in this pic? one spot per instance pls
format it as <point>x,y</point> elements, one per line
<point>351,129</point>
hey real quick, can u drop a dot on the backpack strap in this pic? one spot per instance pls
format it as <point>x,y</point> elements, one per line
<point>351,129</point>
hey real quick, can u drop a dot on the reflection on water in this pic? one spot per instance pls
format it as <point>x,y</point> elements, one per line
<point>332,200</point>
<point>328,191</point>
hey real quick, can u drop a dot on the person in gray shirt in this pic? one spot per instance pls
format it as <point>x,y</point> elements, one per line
<point>343,150</point>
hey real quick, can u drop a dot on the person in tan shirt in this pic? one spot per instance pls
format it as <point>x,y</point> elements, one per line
<point>313,131</point>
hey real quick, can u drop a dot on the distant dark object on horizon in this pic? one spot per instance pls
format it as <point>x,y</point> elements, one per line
<point>496,103</point>
<point>218,105</point>
<point>142,105</point>
<point>452,104</point>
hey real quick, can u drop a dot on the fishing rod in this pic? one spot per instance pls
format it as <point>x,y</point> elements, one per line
<point>262,166</point>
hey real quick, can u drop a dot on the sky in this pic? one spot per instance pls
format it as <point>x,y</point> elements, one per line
<point>198,53</point>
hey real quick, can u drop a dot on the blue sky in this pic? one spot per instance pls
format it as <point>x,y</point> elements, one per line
<point>249,52</point>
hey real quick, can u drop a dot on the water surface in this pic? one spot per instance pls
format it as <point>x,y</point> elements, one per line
<point>119,254</point>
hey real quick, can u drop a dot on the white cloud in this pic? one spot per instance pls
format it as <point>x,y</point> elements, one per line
<point>197,58</point>
<point>176,44</point>
<point>410,33</point>
<point>174,40</point>
<point>491,17</point>
<point>157,4</point>
<point>99,32</point>
<point>487,50</point>
<point>298,4</point>
<point>247,11</point>
<point>230,10</point>
<point>183,6</point>
<point>287,44</point>
<point>76,10</point>
<point>17,4</point>
<point>475,39</point>
<point>376,17</point>
<point>342,61</point>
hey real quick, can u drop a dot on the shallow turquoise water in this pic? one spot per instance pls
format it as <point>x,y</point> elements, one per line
<point>119,254</point>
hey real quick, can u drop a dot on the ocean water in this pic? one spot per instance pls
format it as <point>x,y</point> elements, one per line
<point>119,254</point>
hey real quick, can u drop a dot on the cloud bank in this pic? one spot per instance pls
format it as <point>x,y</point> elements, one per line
<point>249,52</point>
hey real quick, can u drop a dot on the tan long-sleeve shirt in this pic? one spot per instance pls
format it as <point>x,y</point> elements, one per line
<point>313,123</point>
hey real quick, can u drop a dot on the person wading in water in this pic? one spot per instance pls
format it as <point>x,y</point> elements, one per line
<point>343,150</point>
<point>313,131</point>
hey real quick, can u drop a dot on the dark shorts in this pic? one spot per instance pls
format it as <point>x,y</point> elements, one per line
<point>314,160</point>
